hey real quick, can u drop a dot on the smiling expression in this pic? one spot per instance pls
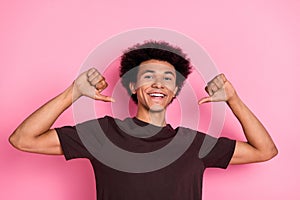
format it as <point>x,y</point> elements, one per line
<point>155,86</point>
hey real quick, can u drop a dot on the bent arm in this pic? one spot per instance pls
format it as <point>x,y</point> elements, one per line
<point>259,146</point>
<point>34,134</point>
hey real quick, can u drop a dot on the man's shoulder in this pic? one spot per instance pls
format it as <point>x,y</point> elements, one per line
<point>188,131</point>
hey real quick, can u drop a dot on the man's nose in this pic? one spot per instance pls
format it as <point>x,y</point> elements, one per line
<point>158,83</point>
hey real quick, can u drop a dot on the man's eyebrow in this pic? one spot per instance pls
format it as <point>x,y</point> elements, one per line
<point>153,71</point>
<point>147,71</point>
<point>170,72</point>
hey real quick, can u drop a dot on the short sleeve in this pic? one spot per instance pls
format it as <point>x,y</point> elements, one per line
<point>220,154</point>
<point>71,143</point>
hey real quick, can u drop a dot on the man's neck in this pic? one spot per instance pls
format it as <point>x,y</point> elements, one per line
<point>154,118</point>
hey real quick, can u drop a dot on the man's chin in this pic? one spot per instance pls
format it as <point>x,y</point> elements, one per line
<point>156,108</point>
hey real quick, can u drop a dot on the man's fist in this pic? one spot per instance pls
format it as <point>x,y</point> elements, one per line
<point>91,83</point>
<point>218,89</point>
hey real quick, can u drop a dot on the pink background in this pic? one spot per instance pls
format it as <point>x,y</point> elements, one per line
<point>255,43</point>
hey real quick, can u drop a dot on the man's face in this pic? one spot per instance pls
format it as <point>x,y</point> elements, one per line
<point>155,86</point>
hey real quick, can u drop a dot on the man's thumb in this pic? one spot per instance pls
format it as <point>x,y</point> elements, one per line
<point>104,98</point>
<point>204,100</point>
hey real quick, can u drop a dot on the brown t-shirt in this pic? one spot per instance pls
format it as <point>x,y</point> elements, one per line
<point>135,160</point>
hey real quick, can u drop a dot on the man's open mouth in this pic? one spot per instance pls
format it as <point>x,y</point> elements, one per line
<point>161,95</point>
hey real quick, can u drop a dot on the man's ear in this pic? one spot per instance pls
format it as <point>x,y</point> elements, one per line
<point>132,87</point>
<point>175,91</point>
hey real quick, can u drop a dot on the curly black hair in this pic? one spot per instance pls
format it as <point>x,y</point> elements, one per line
<point>157,50</point>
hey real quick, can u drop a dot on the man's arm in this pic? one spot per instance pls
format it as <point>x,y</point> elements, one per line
<point>34,134</point>
<point>259,146</point>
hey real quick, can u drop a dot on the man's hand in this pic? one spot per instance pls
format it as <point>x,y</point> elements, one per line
<point>91,83</point>
<point>219,89</point>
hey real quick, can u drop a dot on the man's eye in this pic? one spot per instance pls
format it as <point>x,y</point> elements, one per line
<point>168,78</point>
<point>147,77</point>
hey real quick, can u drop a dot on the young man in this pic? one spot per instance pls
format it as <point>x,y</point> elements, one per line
<point>153,73</point>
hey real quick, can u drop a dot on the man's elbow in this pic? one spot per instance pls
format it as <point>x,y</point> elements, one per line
<point>18,142</point>
<point>14,141</point>
<point>269,154</point>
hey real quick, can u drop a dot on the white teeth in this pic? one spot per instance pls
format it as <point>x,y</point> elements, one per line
<point>156,95</point>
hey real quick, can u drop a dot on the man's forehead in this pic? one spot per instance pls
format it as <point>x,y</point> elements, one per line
<point>156,66</point>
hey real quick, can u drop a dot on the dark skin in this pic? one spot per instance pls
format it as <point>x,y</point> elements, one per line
<point>154,93</point>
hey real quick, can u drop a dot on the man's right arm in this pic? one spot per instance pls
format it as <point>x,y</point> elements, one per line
<point>35,135</point>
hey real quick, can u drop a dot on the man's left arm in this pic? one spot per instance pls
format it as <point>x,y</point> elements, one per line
<point>259,146</point>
